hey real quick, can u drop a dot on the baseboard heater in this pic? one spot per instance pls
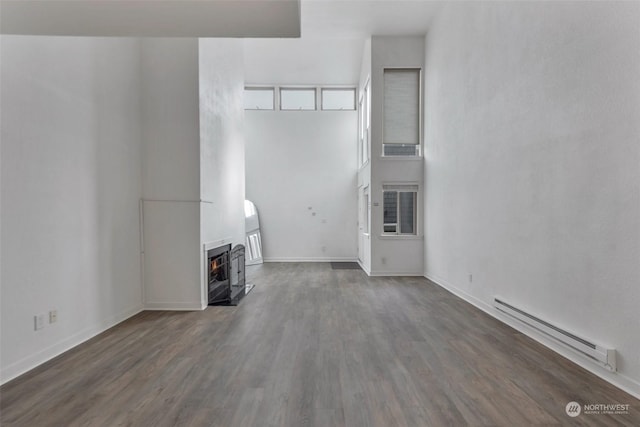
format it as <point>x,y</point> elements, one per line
<point>605,356</point>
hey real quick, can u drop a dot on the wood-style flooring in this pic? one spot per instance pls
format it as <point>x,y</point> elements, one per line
<point>312,346</point>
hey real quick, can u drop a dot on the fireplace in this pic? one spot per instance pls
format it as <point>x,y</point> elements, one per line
<point>226,278</point>
<point>237,284</point>
<point>218,274</point>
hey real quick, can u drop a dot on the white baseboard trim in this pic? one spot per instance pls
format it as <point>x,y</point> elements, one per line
<point>174,306</point>
<point>364,268</point>
<point>394,274</point>
<point>311,259</point>
<point>30,362</point>
<point>623,382</point>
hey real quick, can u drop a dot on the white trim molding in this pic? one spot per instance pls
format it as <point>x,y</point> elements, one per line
<point>364,268</point>
<point>623,382</point>
<point>310,259</point>
<point>33,361</point>
<point>395,274</point>
<point>174,306</point>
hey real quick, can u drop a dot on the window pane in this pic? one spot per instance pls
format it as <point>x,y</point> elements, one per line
<point>338,99</point>
<point>361,123</point>
<point>258,99</point>
<point>401,106</point>
<point>366,212</point>
<point>400,149</point>
<point>297,99</point>
<point>367,96</point>
<point>390,207</point>
<point>407,210</point>
<point>365,147</point>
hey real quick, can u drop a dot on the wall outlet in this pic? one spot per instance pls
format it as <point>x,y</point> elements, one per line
<point>38,322</point>
<point>383,260</point>
<point>470,278</point>
<point>53,316</point>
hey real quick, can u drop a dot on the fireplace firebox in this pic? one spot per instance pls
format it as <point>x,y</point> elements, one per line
<point>226,278</point>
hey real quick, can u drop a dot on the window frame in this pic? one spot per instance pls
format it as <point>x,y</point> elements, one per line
<point>405,188</point>
<point>365,118</point>
<point>263,88</point>
<point>299,89</point>
<point>339,89</point>
<point>418,146</point>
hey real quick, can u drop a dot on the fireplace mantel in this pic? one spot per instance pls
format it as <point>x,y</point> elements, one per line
<point>215,243</point>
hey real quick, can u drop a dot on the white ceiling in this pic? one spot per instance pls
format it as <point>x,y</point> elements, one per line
<point>304,61</point>
<point>152,18</point>
<point>333,35</point>
<point>363,18</point>
<point>329,51</point>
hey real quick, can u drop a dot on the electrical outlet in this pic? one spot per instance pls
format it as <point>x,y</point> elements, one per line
<point>53,316</point>
<point>383,260</point>
<point>38,322</point>
<point>470,278</point>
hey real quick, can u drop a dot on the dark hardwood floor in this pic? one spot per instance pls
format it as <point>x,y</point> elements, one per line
<point>312,346</point>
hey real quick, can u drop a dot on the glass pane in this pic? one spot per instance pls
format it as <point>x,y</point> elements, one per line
<point>366,213</point>
<point>407,210</point>
<point>401,106</point>
<point>361,106</point>
<point>297,99</point>
<point>367,96</point>
<point>390,228</point>
<point>390,207</point>
<point>258,99</point>
<point>365,147</point>
<point>400,149</point>
<point>338,99</point>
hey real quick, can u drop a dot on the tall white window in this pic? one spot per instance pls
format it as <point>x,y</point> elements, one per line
<point>361,131</point>
<point>401,124</point>
<point>365,111</point>
<point>365,201</point>
<point>400,203</point>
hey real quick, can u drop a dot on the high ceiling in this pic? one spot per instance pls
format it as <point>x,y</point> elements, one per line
<point>333,35</point>
<point>151,18</point>
<point>362,18</point>
<point>329,50</point>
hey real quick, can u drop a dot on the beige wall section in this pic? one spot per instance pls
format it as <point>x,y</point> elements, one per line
<point>532,177</point>
<point>71,183</point>
<point>301,174</point>
<point>222,170</point>
<point>399,255</point>
<point>171,173</point>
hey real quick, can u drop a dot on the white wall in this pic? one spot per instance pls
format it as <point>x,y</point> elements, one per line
<point>222,180</point>
<point>171,173</point>
<point>532,168</point>
<point>392,255</point>
<point>288,61</point>
<point>71,181</point>
<point>193,163</point>
<point>171,126</point>
<point>301,163</point>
